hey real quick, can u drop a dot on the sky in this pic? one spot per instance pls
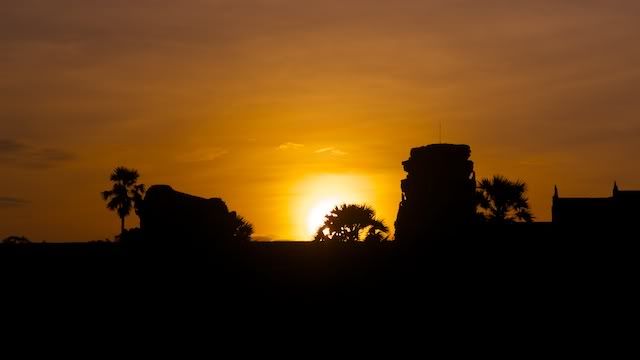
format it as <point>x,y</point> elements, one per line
<point>284,107</point>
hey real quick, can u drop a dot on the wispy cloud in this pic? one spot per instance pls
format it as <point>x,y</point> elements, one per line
<point>8,201</point>
<point>290,146</point>
<point>331,150</point>
<point>16,153</point>
<point>10,146</point>
<point>203,155</point>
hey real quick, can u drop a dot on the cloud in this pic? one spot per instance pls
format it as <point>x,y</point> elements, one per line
<point>19,154</point>
<point>331,151</point>
<point>8,201</point>
<point>8,146</point>
<point>290,146</point>
<point>204,155</point>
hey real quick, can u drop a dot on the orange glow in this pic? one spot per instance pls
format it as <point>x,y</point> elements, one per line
<point>318,212</point>
<point>286,108</point>
<point>317,195</point>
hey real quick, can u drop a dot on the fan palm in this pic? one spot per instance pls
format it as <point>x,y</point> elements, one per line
<point>346,223</point>
<point>126,194</point>
<point>504,201</point>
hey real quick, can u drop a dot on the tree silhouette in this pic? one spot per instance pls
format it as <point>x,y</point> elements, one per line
<point>16,240</point>
<point>126,193</point>
<point>378,232</point>
<point>347,223</point>
<point>242,229</point>
<point>503,201</point>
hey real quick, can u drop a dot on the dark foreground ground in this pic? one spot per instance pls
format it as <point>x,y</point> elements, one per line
<point>563,280</point>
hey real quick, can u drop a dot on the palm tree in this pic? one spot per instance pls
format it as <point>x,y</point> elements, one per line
<point>126,193</point>
<point>242,229</point>
<point>503,201</point>
<point>378,232</point>
<point>346,223</point>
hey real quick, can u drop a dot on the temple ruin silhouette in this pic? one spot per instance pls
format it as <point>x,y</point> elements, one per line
<point>170,217</point>
<point>184,256</point>
<point>621,208</point>
<point>438,193</point>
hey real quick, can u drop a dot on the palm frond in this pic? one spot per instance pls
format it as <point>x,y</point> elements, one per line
<point>106,194</point>
<point>503,200</point>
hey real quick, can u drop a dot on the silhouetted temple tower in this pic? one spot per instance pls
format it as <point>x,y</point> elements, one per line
<point>438,193</point>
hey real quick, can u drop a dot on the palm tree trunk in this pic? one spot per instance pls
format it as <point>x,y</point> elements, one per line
<point>121,225</point>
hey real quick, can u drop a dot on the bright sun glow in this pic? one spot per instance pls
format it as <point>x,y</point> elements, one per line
<point>317,214</point>
<point>317,195</point>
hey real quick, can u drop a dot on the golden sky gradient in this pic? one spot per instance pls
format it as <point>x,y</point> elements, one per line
<point>280,106</point>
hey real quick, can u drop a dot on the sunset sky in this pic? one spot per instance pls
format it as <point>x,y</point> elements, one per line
<point>284,107</point>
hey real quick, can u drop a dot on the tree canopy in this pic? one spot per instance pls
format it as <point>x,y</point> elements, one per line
<point>350,223</point>
<point>125,194</point>
<point>501,200</point>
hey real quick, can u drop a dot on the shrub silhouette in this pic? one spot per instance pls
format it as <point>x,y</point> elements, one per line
<point>131,237</point>
<point>242,229</point>
<point>16,240</point>
<point>501,200</point>
<point>348,223</point>
<point>125,193</point>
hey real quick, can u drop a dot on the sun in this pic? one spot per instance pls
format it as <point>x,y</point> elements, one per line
<point>317,214</point>
<point>316,195</point>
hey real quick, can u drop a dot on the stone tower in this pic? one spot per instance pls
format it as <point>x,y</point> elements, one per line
<point>438,195</point>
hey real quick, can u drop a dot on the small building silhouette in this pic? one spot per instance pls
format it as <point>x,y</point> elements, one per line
<point>438,193</point>
<point>623,207</point>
